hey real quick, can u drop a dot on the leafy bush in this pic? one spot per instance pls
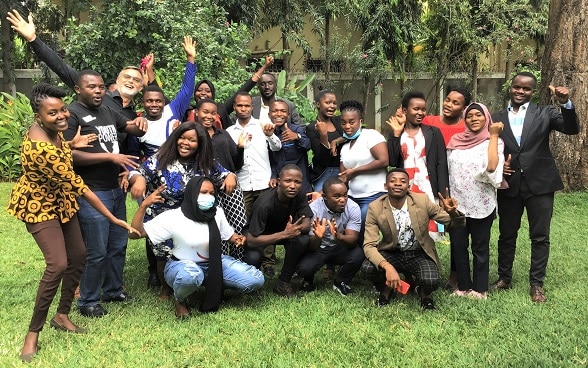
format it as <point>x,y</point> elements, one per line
<point>293,92</point>
<point>15,117</point>
<point>121,32</point>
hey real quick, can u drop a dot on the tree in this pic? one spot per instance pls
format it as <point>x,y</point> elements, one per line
<point>120,33</point>
<point>564,63</point>
<point>389,32</point>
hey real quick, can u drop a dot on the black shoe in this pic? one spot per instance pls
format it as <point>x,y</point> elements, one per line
<point>307,286</point>
<point>269,272</point>
<point>427,304</point>
<point>383,299</point>
<point>95,311</point>
<point>123,297</point>
<point>284,289</point>
<point>342,288</point>
<point>153,281</point>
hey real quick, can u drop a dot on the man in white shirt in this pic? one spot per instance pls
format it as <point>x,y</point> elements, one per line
<point>255,175</point>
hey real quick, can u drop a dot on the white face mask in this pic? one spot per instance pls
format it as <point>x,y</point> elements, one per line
<point>205,201</point>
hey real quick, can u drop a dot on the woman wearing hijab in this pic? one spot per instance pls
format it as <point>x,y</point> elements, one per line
<point>197,228</point>
<point>475,159</point>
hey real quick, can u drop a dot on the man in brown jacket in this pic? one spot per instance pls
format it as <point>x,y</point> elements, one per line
<point>402,218</point>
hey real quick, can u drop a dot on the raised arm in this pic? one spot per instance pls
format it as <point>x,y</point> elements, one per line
<point>181,102</point>
<point>249,84</point>
<point>27,30</point>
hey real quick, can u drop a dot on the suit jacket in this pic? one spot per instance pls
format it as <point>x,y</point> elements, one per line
<point>436,157</point>
<point>420,208</point>
<point>293,118</point>
<point>533,157</point>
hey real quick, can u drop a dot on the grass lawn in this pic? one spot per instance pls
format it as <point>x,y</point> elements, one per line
<point>320,329</point>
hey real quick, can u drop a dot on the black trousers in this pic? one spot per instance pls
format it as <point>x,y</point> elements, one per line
<point>539,212</point>
<point>295,249</point>
<point>350,258</point>
<point>479,230</point>
<point>413,262</point>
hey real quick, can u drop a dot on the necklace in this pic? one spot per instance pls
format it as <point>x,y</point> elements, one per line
<point>53,138</point>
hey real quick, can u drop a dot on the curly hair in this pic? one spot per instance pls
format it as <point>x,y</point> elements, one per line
<point>43,91</point>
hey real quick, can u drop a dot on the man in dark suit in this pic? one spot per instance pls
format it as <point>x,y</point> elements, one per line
<point>267,89</point>
<point>532,176</point>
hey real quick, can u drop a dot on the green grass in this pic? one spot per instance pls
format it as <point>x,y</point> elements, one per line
<point>320,329</point>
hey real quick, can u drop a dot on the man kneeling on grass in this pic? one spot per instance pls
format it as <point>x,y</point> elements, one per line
<point>402,217</point>
<point>281,215</point>
<point>333,238</point>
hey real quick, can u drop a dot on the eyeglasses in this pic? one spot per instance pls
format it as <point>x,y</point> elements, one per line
<point>127,77</point>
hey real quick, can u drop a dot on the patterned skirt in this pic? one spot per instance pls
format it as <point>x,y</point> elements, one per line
<point>234,207</point>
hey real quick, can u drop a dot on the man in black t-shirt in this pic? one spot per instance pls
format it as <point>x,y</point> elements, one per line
<point>281,215</point>
<point>99,166</point>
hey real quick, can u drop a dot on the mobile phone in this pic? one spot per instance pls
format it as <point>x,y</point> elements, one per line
<point>403,287</point>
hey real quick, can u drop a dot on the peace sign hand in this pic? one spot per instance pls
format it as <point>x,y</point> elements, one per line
<point>449,204</point>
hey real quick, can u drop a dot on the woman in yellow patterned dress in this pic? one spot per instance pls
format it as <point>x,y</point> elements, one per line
<point>44,198</point>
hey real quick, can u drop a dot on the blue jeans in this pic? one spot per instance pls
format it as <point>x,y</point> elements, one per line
<point>328,173</point>
<point>186,276</point>
<point>106,247</point>
<point>364,203</point>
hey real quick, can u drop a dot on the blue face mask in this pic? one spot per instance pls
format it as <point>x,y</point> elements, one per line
<point>205,201</point>
<point>352,137</point>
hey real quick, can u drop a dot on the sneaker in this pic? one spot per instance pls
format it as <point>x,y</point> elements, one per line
<point>269,272</point>
<point>342,288</point>
<point>427,304</point>
<point>383,299</point>
<point>284,289</point>
<point>153,281</point>
<point>307,286</point>
<point>123,297</point>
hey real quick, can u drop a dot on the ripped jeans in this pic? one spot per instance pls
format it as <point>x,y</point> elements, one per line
<point>185,277</point>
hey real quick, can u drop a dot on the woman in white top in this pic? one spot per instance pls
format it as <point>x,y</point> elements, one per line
<point>196,228</point>
<point>475,159</point>
<point>364,158</point>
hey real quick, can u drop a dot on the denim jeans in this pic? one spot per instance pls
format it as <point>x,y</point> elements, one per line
<point>186,276</point>
<point>106,247</point>
<point>364,203</point>
<point>328,173</point>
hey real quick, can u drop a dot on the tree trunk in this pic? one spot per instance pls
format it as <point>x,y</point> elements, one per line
<point>286,54</point>
<point>565,63</point>
<point>7,57</point>
<point>474,76</point>
<point>327,48</point>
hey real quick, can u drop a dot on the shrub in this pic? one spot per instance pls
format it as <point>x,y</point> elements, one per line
<point>15,118</point>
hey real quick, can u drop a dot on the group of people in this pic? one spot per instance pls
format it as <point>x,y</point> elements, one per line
<point>217,193</point>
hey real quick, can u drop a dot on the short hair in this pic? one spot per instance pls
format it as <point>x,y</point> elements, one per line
<point>332,181</point>
<point>85,72</point>
<point>267,73</point>
<point>242,93</point>
<point>203,101</point>
<point>279,100</point>
<point>43,91</point>
<point>525,74</point>
<point>467,96</point>
<point>323,93</point>
<point>351,105</point>
<point>395,170</point>
<point>411,95</point>
<point>290,167</point>
<point>152,88</point>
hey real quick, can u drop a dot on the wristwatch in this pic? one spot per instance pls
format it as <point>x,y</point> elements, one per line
<point>299,136</point>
